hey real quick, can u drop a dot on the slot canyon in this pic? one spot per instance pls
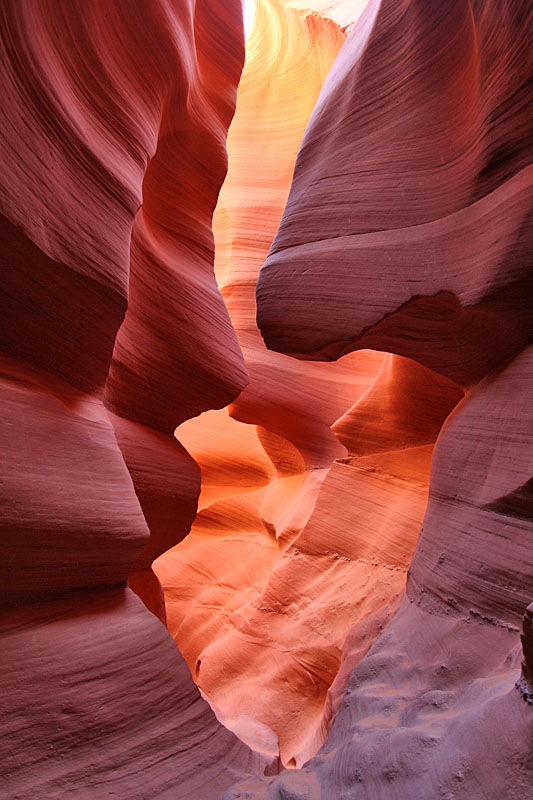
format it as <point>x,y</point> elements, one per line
<point>266,360</point>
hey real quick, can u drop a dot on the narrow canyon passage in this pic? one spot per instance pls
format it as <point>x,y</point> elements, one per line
<point>266,350</point>
<point>302,536</point>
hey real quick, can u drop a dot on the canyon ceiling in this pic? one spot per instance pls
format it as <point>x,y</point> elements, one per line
<point>266,359</point>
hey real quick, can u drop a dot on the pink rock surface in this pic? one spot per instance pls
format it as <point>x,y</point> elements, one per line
<point>70,518</point>
<point>431,711</point>
<point>262,467</point>
<point>475,552</point>
<point>167,365</point>
<point>289,54</point>
<point>99,703</point>
<point>408,230</point>
<point>418,199</point>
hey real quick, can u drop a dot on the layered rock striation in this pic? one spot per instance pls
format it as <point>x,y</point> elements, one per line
<point>354,597</point>
<point>428,114</point>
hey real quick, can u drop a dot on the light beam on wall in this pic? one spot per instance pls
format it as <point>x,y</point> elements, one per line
<point>248,14</point>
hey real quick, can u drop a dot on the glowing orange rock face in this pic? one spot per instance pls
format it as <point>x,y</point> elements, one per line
<point>408,229</point>
<point>303,531</point>
<point>106,107</point>
<point>237,538</point>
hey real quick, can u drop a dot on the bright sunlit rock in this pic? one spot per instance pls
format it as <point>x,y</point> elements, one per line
<point>248,14</point>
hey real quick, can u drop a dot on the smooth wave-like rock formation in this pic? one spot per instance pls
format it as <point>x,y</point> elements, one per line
<point>432,204</point>
<point>114,118</point>
<point>168,364</point>
<point>408,229</point>
<point>259,484</point>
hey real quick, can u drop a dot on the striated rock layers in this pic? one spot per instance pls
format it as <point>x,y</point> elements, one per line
<point>114,118</point>
<point>408,229</point>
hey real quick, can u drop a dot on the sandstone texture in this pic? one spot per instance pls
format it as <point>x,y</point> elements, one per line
<point>307,521</point>
<point>418,201</point>
<point>239,596</point>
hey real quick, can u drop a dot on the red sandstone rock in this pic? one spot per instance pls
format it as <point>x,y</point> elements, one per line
<point>106,107</point>
<point>431,709</point>
<point>408,229</point>
<point>403,408</point>
<point>260,485</point>
<point>98,701</point>
<point>474,552</point>
<point>289,55</point>
<point>67,498</point>
<point>167,363</point>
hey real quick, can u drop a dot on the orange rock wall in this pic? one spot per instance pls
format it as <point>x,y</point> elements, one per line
<point>352,593</point>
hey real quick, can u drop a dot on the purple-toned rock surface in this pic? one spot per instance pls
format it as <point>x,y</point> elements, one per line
<point>408,225</point>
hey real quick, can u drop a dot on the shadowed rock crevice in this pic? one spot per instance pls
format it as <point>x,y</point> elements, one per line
<point>408,229</point>
<point>91,95</point>
<point>525,682</point>
<point>518,503</point>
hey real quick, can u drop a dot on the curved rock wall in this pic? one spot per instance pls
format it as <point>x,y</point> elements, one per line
<point>108,108</point>
<point>260,479</point>
<point>428,187</point>
<point>167,363</point>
